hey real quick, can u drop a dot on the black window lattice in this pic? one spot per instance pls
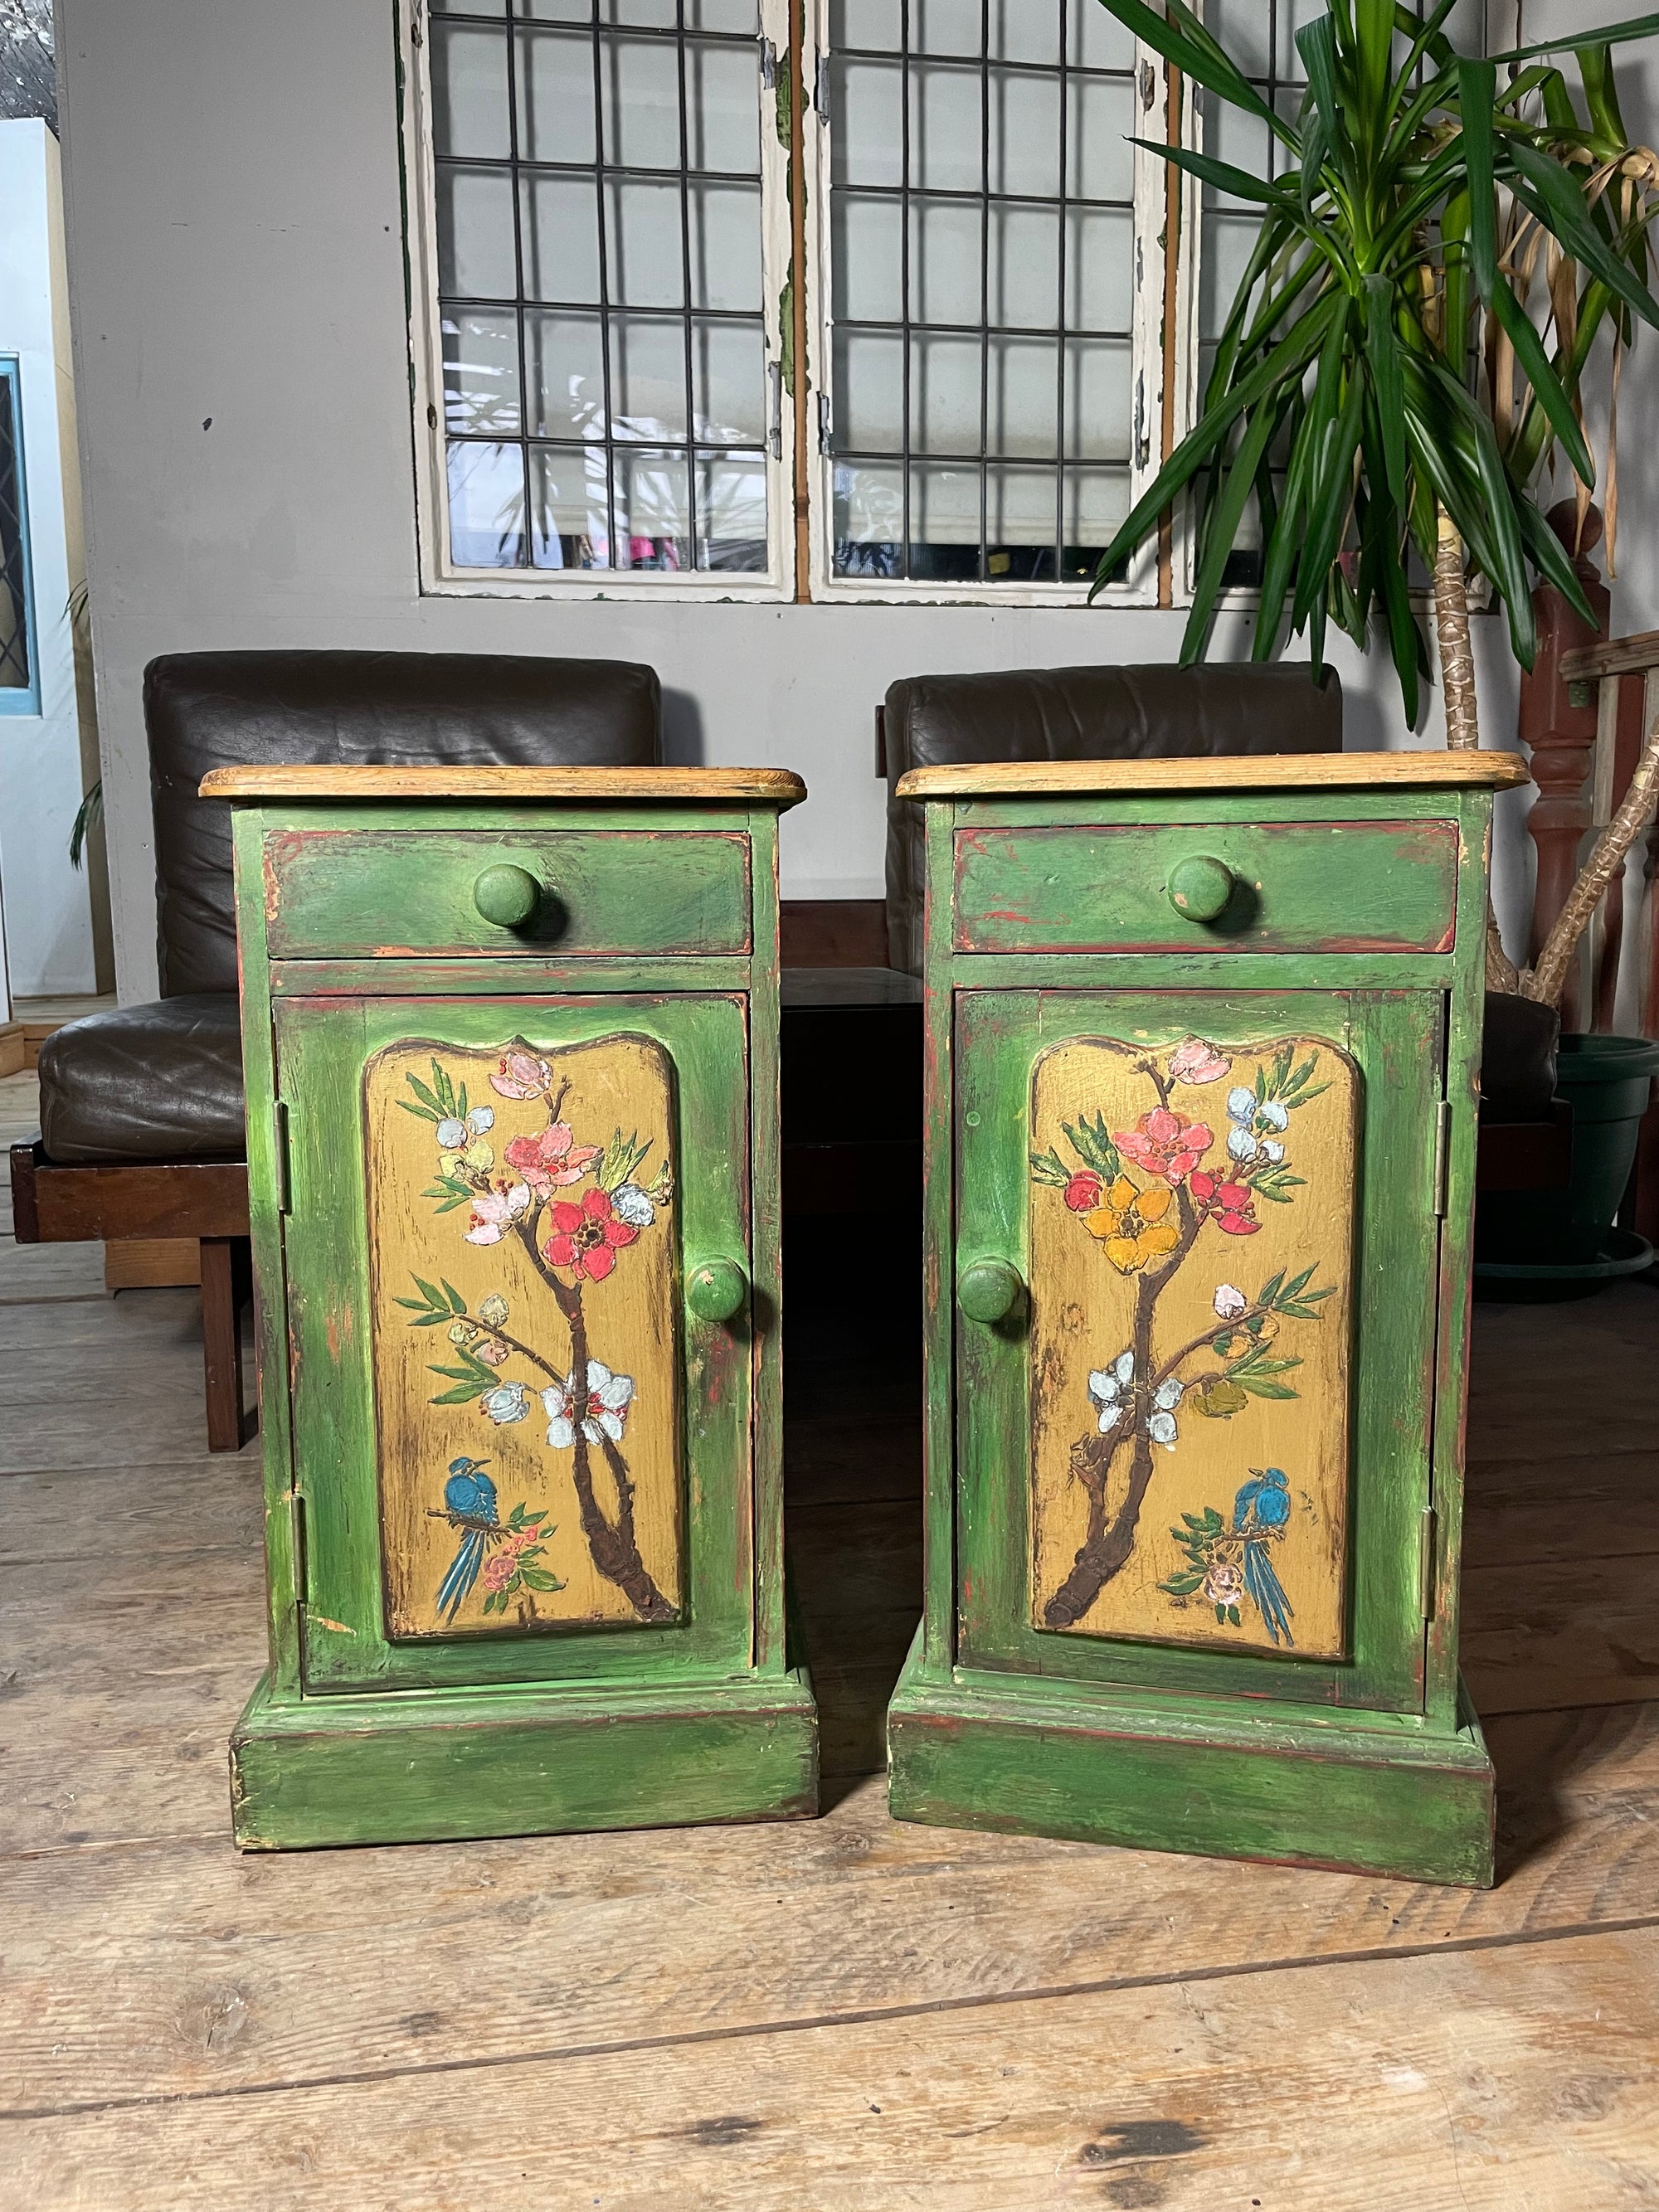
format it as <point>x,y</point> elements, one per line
<point>14,670</point>
<point>606,391</point>
<point>982,247</point>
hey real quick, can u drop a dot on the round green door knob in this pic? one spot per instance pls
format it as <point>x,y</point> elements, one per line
<point>507,895</point>
<point>717,1290</point>
<point>988,1290</point>
<point>1199,887</point>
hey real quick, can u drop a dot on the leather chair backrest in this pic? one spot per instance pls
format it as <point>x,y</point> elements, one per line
<point>206,710</point>
<point>1159,712</point>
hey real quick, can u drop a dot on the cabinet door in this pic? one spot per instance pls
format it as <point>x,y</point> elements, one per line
<point>1195,1454</point>
<point>502,1408</point>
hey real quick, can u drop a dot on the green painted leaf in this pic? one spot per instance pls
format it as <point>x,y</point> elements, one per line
<point>538,1578</point>
<point>462,1395</point>
<point>1257,1388</point>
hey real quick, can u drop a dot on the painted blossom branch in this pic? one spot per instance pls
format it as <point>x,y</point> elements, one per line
<point>612,1546</point>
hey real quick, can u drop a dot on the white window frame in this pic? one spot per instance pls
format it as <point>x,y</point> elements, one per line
<point>1149,355</point>
<point>438,572</point>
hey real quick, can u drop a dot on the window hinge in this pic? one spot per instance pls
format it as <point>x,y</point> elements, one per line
<point>416,24</point>
<point>1148,84</point>
<point>826,425</point>
<point>1426,1577</point>
<point>1441,1155</point>
<point>769,63</point>
<point>279,1148</point>
<point>774,378</point>
<point>820,90</point>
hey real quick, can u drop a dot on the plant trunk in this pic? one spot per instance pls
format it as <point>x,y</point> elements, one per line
<point>1546,980</point>
<point>1451,622</point>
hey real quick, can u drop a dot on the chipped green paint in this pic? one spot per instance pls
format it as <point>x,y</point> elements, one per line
<point>1367,1760</point>
<point>355,1734</point>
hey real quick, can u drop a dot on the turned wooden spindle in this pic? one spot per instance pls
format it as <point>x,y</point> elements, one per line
<point>1558,726</point>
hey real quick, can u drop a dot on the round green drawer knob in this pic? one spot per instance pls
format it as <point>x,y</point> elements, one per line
<point>717,1290</point>
<point>507,895</point>
<point>1199,887</point>
<point>989,1290</point>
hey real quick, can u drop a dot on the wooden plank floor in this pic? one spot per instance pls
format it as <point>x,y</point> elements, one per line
<point>845,2015</point>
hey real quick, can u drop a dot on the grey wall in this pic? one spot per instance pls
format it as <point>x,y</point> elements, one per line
<point>236,263</point>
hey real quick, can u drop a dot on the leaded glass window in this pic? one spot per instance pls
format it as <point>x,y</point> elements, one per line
<point>610,393</point>
<point>981,421</point>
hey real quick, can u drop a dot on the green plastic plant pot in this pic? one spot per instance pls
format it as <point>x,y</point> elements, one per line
<point>1607,1081</point>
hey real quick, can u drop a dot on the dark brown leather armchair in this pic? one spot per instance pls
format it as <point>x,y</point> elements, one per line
<point>137,1104</point>
<point>1151,713</point>
<point>164,1081</point>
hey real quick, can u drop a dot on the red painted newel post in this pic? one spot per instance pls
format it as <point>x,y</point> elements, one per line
<point>1560,737</point>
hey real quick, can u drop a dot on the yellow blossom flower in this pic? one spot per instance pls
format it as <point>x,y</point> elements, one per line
<point>1130,1224</point>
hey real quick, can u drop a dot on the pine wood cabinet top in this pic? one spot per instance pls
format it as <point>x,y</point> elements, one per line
<point>687,787</point>
<point>1233,772</point>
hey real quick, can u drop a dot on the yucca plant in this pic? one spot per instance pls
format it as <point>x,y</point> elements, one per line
<point>1414,201</point>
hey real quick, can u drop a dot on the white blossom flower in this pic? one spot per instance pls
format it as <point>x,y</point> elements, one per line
<point>1161,1428</point>
<point>1241,1145</point>
<point>507,1402</point>
<point>1229,1301</point>
<point>452,1134</point>
<point>1274,1115</point>
<point>1271,1150</point>
<point>1241,1105</point>
<point>1168,1395</point>
<point>630,1203</point>
<point>1107,1386</point>
<point>608,1400</point>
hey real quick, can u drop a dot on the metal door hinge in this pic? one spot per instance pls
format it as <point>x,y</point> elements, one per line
<point>279,1147</point>
<point>417,23</point>
<point>1441,1155</point>
<point>826,423</point>
<point>296,1516</point>
<point>768,63</point>
<point>821,90</point>
<point>1425,1565</point>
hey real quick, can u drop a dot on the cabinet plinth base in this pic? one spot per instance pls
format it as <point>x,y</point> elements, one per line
<point>459,1764</point>
<point>1020,1755</point>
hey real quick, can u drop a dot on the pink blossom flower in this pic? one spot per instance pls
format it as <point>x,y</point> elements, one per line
<point>494,1212</point>
<point>521,1076</point>
<point>1083,1191</point>
<point>1229,1205</point>
<point>499,1568</point>
<point>549,1158</point>
<point>1165,1144</point>
<point>1197,1062</point>
<point>490,1351</point>
<point>587,1238</point>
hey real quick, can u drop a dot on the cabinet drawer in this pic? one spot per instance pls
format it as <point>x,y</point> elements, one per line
<point>364,893</point>
<point>1130,887</point>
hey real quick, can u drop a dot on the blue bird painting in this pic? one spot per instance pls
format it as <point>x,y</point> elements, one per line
<point>1225,1566</point>
<point>1260,1510</point>
<point>468,1506</point>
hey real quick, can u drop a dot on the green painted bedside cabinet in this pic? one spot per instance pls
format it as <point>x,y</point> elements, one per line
<point>1203,1040</point>
<point>511,1041</point>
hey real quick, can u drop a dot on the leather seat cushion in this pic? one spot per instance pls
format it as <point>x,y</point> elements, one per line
<point>1152,713</point>
<point>207,710</point>
<point>161,1082</point>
